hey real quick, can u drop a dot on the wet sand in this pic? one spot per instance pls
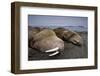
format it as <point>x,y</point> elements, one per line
<point>70,51</point>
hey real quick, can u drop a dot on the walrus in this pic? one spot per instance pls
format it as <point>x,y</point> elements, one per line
<point>69,36</point>
<point>32,33</point>
<point>46,41</point>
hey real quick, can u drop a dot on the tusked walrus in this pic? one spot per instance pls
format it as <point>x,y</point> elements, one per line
<point>46,41</point>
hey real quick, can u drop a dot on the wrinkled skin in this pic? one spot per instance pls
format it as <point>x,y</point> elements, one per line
<point>69,36</point>
<point>76,39</point>
<point>46,40</point>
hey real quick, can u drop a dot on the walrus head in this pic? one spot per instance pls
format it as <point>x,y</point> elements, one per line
<point>46,41</point>
<point>69,36</point>
<point>73,37</point>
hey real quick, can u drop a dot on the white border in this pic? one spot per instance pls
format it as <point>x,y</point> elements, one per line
<point>25,64</point>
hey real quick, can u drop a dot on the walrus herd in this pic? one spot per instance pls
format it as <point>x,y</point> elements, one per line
<point>51,41</point>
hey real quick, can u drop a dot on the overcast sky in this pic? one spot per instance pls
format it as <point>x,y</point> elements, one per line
<point>47,20</point>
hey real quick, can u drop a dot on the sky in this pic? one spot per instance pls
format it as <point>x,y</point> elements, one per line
<point>48,20</point>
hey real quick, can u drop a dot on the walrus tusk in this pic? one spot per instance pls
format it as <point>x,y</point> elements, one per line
<point>55,53</point>
<point>52,50</point>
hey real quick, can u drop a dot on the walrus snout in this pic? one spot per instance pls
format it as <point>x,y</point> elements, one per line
<point>76,39</point>
<point>77,42</point>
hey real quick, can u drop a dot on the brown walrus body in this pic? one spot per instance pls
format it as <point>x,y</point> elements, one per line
<point>32,33</point>
<point>68,35</point>
<point>46,40</point>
